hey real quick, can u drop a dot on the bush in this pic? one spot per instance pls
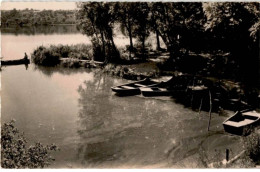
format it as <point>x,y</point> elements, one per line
<point>252,146</point>
<point>50,56</point>
<point>15,154</point>
<point>45,57</point>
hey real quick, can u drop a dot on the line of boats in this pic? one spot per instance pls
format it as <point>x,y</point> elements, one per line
<point>148,87</point>
<point>242,123</point>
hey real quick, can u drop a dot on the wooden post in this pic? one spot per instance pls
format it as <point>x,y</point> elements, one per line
<point>210,108</point>
<point>227,155</point>
<point>200,104</point>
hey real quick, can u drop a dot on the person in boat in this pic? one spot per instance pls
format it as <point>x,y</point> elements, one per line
<point>25,56</point>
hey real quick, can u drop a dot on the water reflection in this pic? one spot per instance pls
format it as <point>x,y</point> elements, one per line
<point>95,117</point>
<point>36,30</point>
<point>121,131</point>
<point>138,132</point>
<point>49,71</point>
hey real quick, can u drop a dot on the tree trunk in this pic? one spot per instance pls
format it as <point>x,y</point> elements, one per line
<point>104,46</point>
<point>158,40</point>
<point>143,47</point>
<point>131,39</point>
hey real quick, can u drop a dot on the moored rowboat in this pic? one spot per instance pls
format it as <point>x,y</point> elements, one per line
<point>242,123</point>
<point>154,91</point>
<point>134,87</point>
<point>15,62</point>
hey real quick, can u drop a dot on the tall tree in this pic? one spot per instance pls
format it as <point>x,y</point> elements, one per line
<point>141,28</point>
<point>175,20</point>
<point>126,16</point>
<point>153,24</point>
<point>96,19</point>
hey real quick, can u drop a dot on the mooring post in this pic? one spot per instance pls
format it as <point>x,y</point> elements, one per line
<point>227,155</point>
<point>200,105</point>
<point>210,108</point>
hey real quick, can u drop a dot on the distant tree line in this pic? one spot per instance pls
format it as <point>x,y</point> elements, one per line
<point>209,27</point>
<point>30,17</point>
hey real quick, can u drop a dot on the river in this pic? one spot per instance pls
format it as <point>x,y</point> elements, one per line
<point>94,128</point>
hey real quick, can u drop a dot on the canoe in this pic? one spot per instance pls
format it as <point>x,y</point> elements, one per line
<point>15,62</point>
<point>134,87</point>
<point>242,123</point>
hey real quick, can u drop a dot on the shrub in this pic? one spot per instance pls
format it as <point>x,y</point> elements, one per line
<point>252,146</point>
<point>50,56</point>
<point>15,154</point>
<point>45,57</point>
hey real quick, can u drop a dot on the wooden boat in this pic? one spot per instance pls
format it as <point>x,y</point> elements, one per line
<point>175,86</point>
<point>242,123</point>
<point>160,89</point>
<point>154,91</point>
<point>198,88</point>
<point>15,62</point>
<point>134,87</point>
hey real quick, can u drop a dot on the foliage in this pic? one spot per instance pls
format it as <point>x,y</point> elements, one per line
<point>15,154</point>
<point>50,56</point>
<point>142,23</point>
<point>234,28</point>
<point>34,17</point>
<point>126,17</point>
<point>45,57</point>
<point>252,146</point>
<point>96,19</point>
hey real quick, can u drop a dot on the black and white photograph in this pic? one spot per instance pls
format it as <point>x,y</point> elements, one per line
<point>130,84</point>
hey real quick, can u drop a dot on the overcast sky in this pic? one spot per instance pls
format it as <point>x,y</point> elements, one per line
<point>39,5</point>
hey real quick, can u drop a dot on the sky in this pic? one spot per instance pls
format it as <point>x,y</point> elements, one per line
<point>63,5</point>
<point>52,5</point>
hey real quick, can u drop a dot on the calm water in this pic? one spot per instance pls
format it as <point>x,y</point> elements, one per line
<point>75,109</point>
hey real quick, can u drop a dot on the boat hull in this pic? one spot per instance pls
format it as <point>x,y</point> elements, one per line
<point>15,62</point>
<point>135,91</point>
<point>240,131</point>
<point>154,91</point>
<point>133,88</point>
<point>242,123</point>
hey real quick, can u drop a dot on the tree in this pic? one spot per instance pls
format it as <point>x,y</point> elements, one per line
<point>141,28</point>
<point>235,28</point>
<point>125,15</point>
<point>152,21</point>
<point>96,19</point>
<point>174,21</point>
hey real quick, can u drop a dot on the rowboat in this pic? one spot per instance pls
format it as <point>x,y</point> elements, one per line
<point>155,91</point>
<point>134,87</point>
<point>242,123</point>
<point>175,86</point>
<point>15,62</point>
<point>160,89</point>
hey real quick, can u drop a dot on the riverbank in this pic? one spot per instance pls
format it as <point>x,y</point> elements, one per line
<point>154,66</point>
